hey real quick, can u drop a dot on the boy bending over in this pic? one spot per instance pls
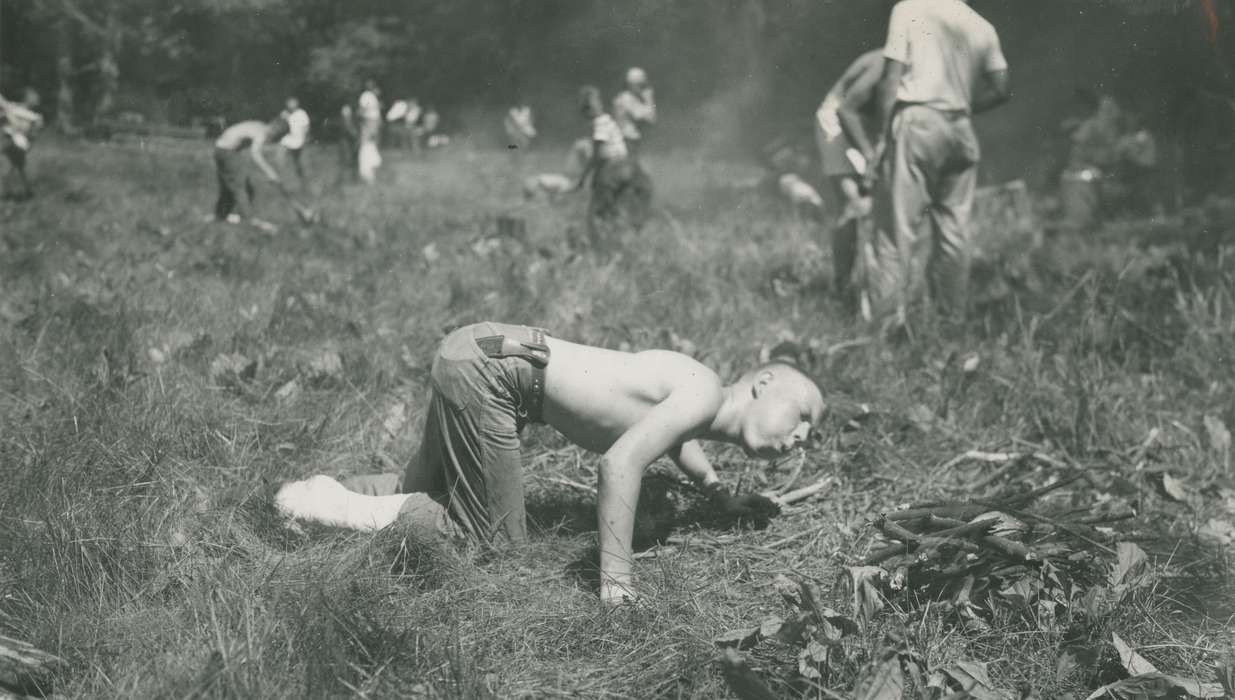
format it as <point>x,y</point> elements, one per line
<point>235,201</point>
<point>491,379</point>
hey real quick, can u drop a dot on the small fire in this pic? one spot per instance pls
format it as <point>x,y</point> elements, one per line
<point>1211,18</point>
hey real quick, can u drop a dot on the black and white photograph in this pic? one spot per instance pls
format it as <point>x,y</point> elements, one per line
<point>631,349</point>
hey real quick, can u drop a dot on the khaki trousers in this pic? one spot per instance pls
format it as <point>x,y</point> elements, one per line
<point>922,208</point>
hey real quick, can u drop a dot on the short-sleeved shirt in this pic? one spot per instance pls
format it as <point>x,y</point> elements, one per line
<point>298,130</point>
<point>946,47</point>
<point>631,112</point>
<point>608,137</point>
<point>17,121</point>
<point>370,107</point>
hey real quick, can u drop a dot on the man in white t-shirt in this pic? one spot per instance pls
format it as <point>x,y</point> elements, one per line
<point>943,62</point>
<point>297,135</point>
<point>369,157</point>
<point>634,109</point>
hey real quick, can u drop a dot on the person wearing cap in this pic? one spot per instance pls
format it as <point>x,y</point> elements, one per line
<point>846,154</point>
<point>634,109</point>
<point>942,63</point>
<point>297,136</point>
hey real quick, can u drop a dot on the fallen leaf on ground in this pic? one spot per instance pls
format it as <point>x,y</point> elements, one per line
<point>1219,532</point>
<point>1219,435</point>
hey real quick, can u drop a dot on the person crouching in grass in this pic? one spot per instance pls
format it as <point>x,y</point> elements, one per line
<point>620,187</point>
<point>236,193</point>
<point>490,379</point>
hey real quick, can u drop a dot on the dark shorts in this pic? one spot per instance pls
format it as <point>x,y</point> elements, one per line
<point>620,187</point>
<point>470,458</point>
<point>16,154</point>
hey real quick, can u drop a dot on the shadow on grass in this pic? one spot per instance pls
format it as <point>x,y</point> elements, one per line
<point>666,506</point>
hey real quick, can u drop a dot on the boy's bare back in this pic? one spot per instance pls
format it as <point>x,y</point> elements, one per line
<point>594,395</point>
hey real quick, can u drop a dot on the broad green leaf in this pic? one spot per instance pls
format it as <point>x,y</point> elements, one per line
<point>1174,488</point>
<point>1219,436</point>
<point>1131,561</point>
<point>867,600</point>
<point>882,681</point>
<point>1133,663</point>
<point>1152,686</point>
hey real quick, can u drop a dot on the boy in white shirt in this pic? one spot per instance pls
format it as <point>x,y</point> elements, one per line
<point>634,109</point>
<point>370,113</point>
<point>619,184</point>
<point>18,121</point>
<point>297,135</point>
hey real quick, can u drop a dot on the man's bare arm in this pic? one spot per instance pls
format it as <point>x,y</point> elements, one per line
<point>996,91</point>
<point>256,151</point>
<point>858,94</point>
<point>694,463</point>
<point>893,70</point>
<point>675,420</point>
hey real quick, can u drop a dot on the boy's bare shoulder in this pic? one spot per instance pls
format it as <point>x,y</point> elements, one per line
<point>679,370</point>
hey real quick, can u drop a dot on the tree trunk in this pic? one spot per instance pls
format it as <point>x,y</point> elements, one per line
<point>109,82</point>
<point>25,669</point>
<point>65,106</point>
<point>109,68</point>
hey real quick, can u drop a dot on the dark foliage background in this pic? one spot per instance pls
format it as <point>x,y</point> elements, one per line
<point>731,74</point>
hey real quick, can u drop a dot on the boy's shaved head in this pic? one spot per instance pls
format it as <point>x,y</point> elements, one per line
<point>785,366</point>
<point>785,403</point>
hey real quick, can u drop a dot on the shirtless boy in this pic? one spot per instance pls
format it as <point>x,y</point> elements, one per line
<point>847,155</point>
<point>235,188</point>
<point>491,379</point>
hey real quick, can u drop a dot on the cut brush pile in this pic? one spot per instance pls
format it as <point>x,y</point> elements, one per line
<point>1033,559</point>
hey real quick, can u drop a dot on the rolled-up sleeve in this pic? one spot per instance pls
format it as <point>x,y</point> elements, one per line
<point>897,45</point>
<point>995,60</point>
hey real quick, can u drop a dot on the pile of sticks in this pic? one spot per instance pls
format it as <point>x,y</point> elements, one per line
<point>995,536</point>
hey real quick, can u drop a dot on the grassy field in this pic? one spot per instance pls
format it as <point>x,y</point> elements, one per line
<point>159,373</point>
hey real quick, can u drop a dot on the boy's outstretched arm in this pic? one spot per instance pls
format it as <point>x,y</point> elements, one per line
<point>677,419</point>
<point>691,459</point>
<point>256,151</point>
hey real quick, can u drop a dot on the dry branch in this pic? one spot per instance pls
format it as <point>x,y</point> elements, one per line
<point>801,494</point>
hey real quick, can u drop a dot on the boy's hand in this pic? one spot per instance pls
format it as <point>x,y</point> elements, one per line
<point>751,507</point>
